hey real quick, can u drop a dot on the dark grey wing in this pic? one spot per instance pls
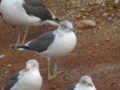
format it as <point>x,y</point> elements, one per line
<point>39,11</point>
<point>41,43</point>
<point>33,2</point>
<point>13,79</point>
<point>72,86</point>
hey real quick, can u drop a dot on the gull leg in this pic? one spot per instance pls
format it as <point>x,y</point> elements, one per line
<point>12,46</point>
<point>55,68</point>
<point>25,35</point>
<point>49,73</point>
<point>18,39</point>
<point>50,77</point>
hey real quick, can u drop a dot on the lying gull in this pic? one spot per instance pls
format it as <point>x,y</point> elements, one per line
<point>26,79</point>
<point>85,83</point>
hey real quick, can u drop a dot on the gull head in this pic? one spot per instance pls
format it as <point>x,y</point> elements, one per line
<point>31,64</point>
<point>86,80</point>
<point>66,25</point>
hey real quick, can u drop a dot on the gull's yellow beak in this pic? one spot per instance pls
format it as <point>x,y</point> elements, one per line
<point>26,69</point>
<point>73,30</point>
<point>90,84</point>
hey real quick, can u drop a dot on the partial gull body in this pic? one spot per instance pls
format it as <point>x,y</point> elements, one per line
<point>25,13</point>
<point>53,44</point>
<point>26,79</point>
<point>85,83</point>
<point>2,56</point>
<point>116,1</point>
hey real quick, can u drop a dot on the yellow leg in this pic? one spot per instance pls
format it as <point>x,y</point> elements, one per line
<point>49,73</point>
<point>18,39</point>
<point>50,77</point>
<point>25,35</point>
<point>55,68</point>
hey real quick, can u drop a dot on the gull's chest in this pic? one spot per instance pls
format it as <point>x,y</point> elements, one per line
<point>65,41</point>
<point>32,78</point>
<point>81,87</point>
<point>30,81</point>
<point>62,45</point>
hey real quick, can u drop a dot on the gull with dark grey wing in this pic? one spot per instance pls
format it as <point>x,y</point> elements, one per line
<point>28,78</point>
<point>53,44</point>
<point>85,83</point>
<point>25,13</point>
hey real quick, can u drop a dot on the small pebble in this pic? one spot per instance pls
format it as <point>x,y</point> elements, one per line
<point>9,65</point>
<point>91,23</point>
<point>105,14</point>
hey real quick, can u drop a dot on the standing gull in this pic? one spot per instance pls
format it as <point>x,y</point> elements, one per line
<point>26,79</point>
<point>85,83</point>
<point>25,13</point>
<point>53,44</point>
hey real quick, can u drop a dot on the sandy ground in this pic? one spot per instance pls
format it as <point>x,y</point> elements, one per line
<point>97,54</point>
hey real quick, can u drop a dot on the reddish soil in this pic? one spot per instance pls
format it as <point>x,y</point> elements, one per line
<point>97,54</point>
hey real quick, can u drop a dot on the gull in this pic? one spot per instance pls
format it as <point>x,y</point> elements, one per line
<point>53,44</point>
<point>85,83</point>
<point>24,13</point>
<point>28,78</point>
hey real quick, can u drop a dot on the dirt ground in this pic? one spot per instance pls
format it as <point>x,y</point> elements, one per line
<point>97,52</point>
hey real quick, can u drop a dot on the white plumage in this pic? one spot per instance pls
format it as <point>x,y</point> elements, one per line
<point>53,44</point>
<point>26,79</point>
<point>14,13</point>
<point>85,83</point>
<point>64,42</point>
<point>25,13</point>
